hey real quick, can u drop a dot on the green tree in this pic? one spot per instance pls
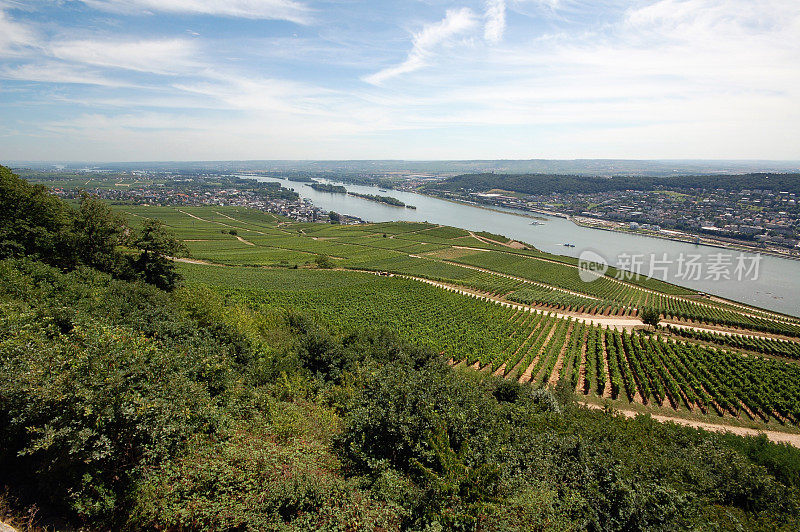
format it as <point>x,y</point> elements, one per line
<point>324,261</point>
<point>456,494</point>
<point>98,231</point>
<point>157,246</point>
<point>650,316</point>
<point>33,222</point>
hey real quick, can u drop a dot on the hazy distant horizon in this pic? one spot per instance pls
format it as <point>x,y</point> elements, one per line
<point>442,166</point>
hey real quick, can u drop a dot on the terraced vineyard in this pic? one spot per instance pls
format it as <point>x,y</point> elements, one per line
<point>446,253</point>
<point>529,346</point>
<point>766,346</point>
<point>530,317</point>
<point>621,295</point>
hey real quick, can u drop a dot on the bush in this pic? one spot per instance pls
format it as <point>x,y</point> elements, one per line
<point>397,409</point>
<point>253,482</point>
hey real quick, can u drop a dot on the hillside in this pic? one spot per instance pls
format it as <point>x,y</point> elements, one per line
<point>530,317</point>
<point>568,184</point>
<point>300,376</point>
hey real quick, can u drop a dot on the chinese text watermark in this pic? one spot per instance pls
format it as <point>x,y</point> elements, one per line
<point>721,266</point>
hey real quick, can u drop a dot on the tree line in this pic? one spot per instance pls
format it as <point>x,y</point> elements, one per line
<point>537,184</point>
<point>37,225</point>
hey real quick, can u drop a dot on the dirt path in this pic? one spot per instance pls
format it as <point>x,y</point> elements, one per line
<point>606,368</point>
<point>221,223</point>
<point>513,244</point>
<point>729,332</point>
<point>195,261</point>
<point>618,323</point>
<point>582,378</point>
<point>555,375</point>
<point>242,240</point>
<point>543,352</point>
<point>775,436</point>
<point>745,310</point>
<point>768,314</point>
<point>226,216</point>
<point>521,279</point>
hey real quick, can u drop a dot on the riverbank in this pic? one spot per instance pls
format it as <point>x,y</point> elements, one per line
<point>484,207</point>
<point>615,227</point>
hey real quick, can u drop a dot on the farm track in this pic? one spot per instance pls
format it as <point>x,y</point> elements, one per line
<point>749,311</point>
<point>611,321</point>
<point>581,384</point>
<point>772,435</point>
<point>232,226</point>
<point>520,279</point>
<point>606,372</point>
<point>556,373</point>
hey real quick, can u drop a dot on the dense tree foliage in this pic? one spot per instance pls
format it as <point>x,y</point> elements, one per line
<point>388,200</point>
<point>156,247</point>
<point>552,183</point>
<point>650,316</point>
<point>325,187</point>
<point>36,224</point>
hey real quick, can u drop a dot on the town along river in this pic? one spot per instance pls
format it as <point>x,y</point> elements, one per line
<point>777,286</point>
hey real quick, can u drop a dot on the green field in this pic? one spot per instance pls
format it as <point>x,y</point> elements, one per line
<point>268,262</point>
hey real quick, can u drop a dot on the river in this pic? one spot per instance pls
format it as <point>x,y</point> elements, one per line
<point>772,283</point>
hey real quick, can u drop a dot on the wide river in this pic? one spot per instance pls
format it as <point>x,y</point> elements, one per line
<point>772,282</point>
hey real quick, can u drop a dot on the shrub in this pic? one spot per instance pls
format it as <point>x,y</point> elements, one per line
<point>253,482</point>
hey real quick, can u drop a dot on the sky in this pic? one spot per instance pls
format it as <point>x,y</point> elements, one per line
<point>148,80</point>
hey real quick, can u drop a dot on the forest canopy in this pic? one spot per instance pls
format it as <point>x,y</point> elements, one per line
<point>567,184</point>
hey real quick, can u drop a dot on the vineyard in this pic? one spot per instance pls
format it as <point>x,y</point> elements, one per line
<point>740,373</point>
<point>764,346</point>
<point>539,348</point>
<point>449,255</point>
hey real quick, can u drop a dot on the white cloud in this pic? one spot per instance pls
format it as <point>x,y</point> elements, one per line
<point>495,20</point>
<point>455,22</point>
<point>236,92</point>
<point>13,34</point>
<point>651,78</point>
<point>254,9</point>
<point>138,121</point>
<point>52,72</point>
<point>155,56</point>
<point>694,65</point>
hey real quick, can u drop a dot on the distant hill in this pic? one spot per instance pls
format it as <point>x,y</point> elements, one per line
<point>598,167</point>
<point>552,183</point>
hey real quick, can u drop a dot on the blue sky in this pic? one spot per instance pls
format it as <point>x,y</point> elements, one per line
<point>114,80</point>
